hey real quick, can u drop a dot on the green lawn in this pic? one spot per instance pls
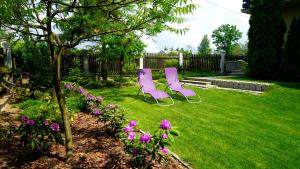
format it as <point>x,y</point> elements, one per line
<point>228,129</point>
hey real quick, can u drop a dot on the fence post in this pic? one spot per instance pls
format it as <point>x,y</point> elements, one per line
<point>222,62</point>
<point>180,60</point>
<point>141,63</point>
<point>86,64</point>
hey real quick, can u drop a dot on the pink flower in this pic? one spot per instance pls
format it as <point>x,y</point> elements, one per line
<point>99,99</point>
<point>128,129</point>
<point>31,122</point>
<point>24,119</point>
<point>164,136</point>
<point>165,124</point>
<point>164,150</point>
<point>145,138</point>
<point>55,127</point>
<point>131,136</point>
<point>97,112</point>
<point>46,122</point>
<point>132,123</point>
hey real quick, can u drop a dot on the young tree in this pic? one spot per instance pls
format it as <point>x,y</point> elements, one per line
<point>240,49</point>
<point>265,36</point>
<point>204,47</point>
<point>125,47</point>
<point>225,37</point>
<point>290,66</point>
<point>63,24</point>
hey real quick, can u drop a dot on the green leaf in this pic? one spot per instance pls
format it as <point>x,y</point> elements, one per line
<point>174,132</point>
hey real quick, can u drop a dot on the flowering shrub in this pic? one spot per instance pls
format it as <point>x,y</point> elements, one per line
<point>109,114</point>
<point>39,133</point>
<point>145,147</point>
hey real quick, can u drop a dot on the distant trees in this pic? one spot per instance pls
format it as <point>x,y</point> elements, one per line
<point>225,37</point>
<point>265,36</point>
<point>204,46</point>
<point>240,49</point>
<point>185,51</point>
<point>290,66</point>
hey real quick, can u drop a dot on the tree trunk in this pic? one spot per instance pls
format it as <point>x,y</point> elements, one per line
<point>53,95</point>
<point>56,57</point>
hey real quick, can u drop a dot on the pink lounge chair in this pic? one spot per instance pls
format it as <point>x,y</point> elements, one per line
<point>175,86</point>
<point>147,87</point>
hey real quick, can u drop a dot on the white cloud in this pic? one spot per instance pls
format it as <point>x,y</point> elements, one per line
<point>210,15</point>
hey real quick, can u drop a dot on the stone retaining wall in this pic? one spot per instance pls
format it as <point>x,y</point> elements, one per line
<point>239,85</point>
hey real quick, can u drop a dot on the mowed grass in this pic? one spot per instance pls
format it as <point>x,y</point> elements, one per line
<point>228,129</point>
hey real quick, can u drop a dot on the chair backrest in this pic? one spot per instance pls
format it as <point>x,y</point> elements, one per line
<point>172,77</point>
<point>145,79</point>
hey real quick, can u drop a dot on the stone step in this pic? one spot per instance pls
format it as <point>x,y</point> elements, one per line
<point>196,82</point>
<point>198,85</point>
<point>233,84</point>
<point>202,79</point>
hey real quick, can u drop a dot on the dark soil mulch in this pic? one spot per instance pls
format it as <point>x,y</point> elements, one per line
<point>94,147</point>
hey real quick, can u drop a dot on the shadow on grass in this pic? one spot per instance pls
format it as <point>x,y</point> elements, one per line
<point>118,95</point>
<point>291,85</point>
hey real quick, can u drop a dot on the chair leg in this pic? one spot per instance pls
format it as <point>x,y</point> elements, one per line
<point>200,100</point>
<point>165,104</point>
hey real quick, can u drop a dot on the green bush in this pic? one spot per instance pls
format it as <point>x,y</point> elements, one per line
<point>36,109</point>
<point>157,75</point>
<point>39,133</point>
<point>171,63</point>
<point>130,68</point>
<point>34,59</point>
<point>267,28</point>
<point>40,109</point>
<point>30,103</point>
<point>290,66</point>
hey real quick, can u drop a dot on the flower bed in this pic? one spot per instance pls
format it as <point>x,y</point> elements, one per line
<point>94,147</point>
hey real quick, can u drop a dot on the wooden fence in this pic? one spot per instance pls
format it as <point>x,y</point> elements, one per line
<point>156,61</point>
<point>197,62</point>
<point>93,65</point>
<point>70,61</point>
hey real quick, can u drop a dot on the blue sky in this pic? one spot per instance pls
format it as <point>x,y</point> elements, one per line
<point>207,17</point>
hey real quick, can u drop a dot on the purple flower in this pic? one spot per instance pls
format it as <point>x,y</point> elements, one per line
<point>81,90</point>
<point>99,99</point>
<point>97,112</point>
<point>135,152</point>
<point>145,138</point>
<point>55,127</point>
<point>46,122</point>
<point>165,124</point>
<point>131,136</point>
<point>128,129</point>
<point>68,86</point>
<point>89,97</point>
<point>91,103</point>
<point>24,119</point>
<point>132,123</point>
<point>164,136</point>
<point>30,122</point>
<point>164,150</point>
